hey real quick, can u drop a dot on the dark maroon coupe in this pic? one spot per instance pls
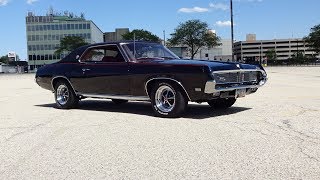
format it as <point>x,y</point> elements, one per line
<point>141,71</point>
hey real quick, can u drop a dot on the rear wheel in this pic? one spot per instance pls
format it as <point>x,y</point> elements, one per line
<point>119,101</point>
<point>222,103</point>
<point>64,96</point>
<point>167,100</point>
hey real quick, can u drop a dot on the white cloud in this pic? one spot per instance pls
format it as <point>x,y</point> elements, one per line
<point>223,23</point>
<point>31,1</point>
<point>219,6</point>
<point>3,2</point>
<point>193,10</point>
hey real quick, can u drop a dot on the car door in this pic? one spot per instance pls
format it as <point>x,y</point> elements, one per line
<point>104,71</point>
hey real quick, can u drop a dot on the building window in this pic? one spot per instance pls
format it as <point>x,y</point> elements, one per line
<point>80,26</point>
<point>88,26</point>
<point>72,26</point>
<point>68,26</point>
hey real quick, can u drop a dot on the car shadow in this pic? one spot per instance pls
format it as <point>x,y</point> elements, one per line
<point>194,111</point>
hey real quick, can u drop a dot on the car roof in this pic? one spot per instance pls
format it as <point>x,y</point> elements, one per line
<point>72,57</point>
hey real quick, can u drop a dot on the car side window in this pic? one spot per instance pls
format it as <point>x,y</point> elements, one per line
<point>110,53</point>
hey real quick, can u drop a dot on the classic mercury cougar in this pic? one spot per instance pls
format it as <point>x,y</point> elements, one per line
<point>144,71</point>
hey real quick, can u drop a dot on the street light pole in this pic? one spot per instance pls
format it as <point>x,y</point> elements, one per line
<point>34,62</point>
<point>232,35</point>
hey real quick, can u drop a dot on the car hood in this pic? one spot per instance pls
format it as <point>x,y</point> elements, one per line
<point>212,65</point>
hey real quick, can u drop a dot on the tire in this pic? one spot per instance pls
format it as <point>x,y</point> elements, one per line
<point>167,100</point>
<point>119,101</point>
<point>64,96</point>
<point>222,103</point>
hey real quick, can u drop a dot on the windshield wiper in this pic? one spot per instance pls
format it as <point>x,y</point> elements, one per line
<point>168,57</point>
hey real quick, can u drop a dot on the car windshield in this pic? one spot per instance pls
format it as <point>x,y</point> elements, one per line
<point>143,51</point>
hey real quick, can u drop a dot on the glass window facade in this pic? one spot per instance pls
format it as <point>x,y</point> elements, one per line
<point>45,32</point>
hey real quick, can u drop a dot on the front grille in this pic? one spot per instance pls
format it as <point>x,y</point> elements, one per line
<point>236,77</point>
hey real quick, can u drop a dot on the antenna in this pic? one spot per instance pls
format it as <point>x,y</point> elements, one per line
<point>134,45</point>
<point>164,37</point>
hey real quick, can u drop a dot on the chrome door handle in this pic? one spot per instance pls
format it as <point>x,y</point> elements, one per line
<point>84,70</point>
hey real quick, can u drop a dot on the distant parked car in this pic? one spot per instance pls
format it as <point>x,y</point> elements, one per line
<point>142,71</point>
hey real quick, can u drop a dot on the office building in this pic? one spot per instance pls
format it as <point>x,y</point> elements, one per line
<point>45,32</point>
<point>116,35</point>
<point>249,51</point>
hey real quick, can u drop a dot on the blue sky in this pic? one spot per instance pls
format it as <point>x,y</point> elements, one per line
<point>268,19</point>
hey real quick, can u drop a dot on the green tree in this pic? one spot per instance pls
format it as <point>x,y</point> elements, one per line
<point>298,58</point>
<point>271,56</point>
<point>141,35</point>
<point>70,43</point>
<point>314,38</point>
<point>4,59</point>
<point>194,34</point>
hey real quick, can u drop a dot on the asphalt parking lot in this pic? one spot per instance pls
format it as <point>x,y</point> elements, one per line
<point>273,134</point>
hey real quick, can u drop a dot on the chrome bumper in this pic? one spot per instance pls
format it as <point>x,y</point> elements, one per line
<point>211,88</point>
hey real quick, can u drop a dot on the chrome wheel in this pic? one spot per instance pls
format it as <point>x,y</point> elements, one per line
<point>62,94</point>
<point>165,98</point>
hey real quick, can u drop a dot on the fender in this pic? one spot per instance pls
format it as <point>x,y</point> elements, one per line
<point>166,78</point>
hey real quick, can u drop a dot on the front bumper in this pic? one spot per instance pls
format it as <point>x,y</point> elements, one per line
<point>212,87</point>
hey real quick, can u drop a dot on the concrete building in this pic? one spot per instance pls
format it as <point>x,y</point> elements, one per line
<point>115,36</point>
<point>45,32</point>
<point>251,37</point>
<point>180,51</point>
<point>250,51</point>
<point>222,52</point>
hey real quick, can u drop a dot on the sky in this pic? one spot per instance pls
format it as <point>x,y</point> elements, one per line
<point>268,19</point>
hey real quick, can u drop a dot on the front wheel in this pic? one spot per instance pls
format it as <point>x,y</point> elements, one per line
<point>222,103</point>
<point>167,100</point>
<point>64,96</point>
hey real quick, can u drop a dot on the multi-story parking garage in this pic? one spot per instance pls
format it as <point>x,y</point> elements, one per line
<point>284,48</point>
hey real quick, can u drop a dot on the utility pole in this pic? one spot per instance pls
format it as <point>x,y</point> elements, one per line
<point>232,35</point>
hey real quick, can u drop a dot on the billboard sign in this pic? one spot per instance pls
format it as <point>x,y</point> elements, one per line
<point>12,55</point>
